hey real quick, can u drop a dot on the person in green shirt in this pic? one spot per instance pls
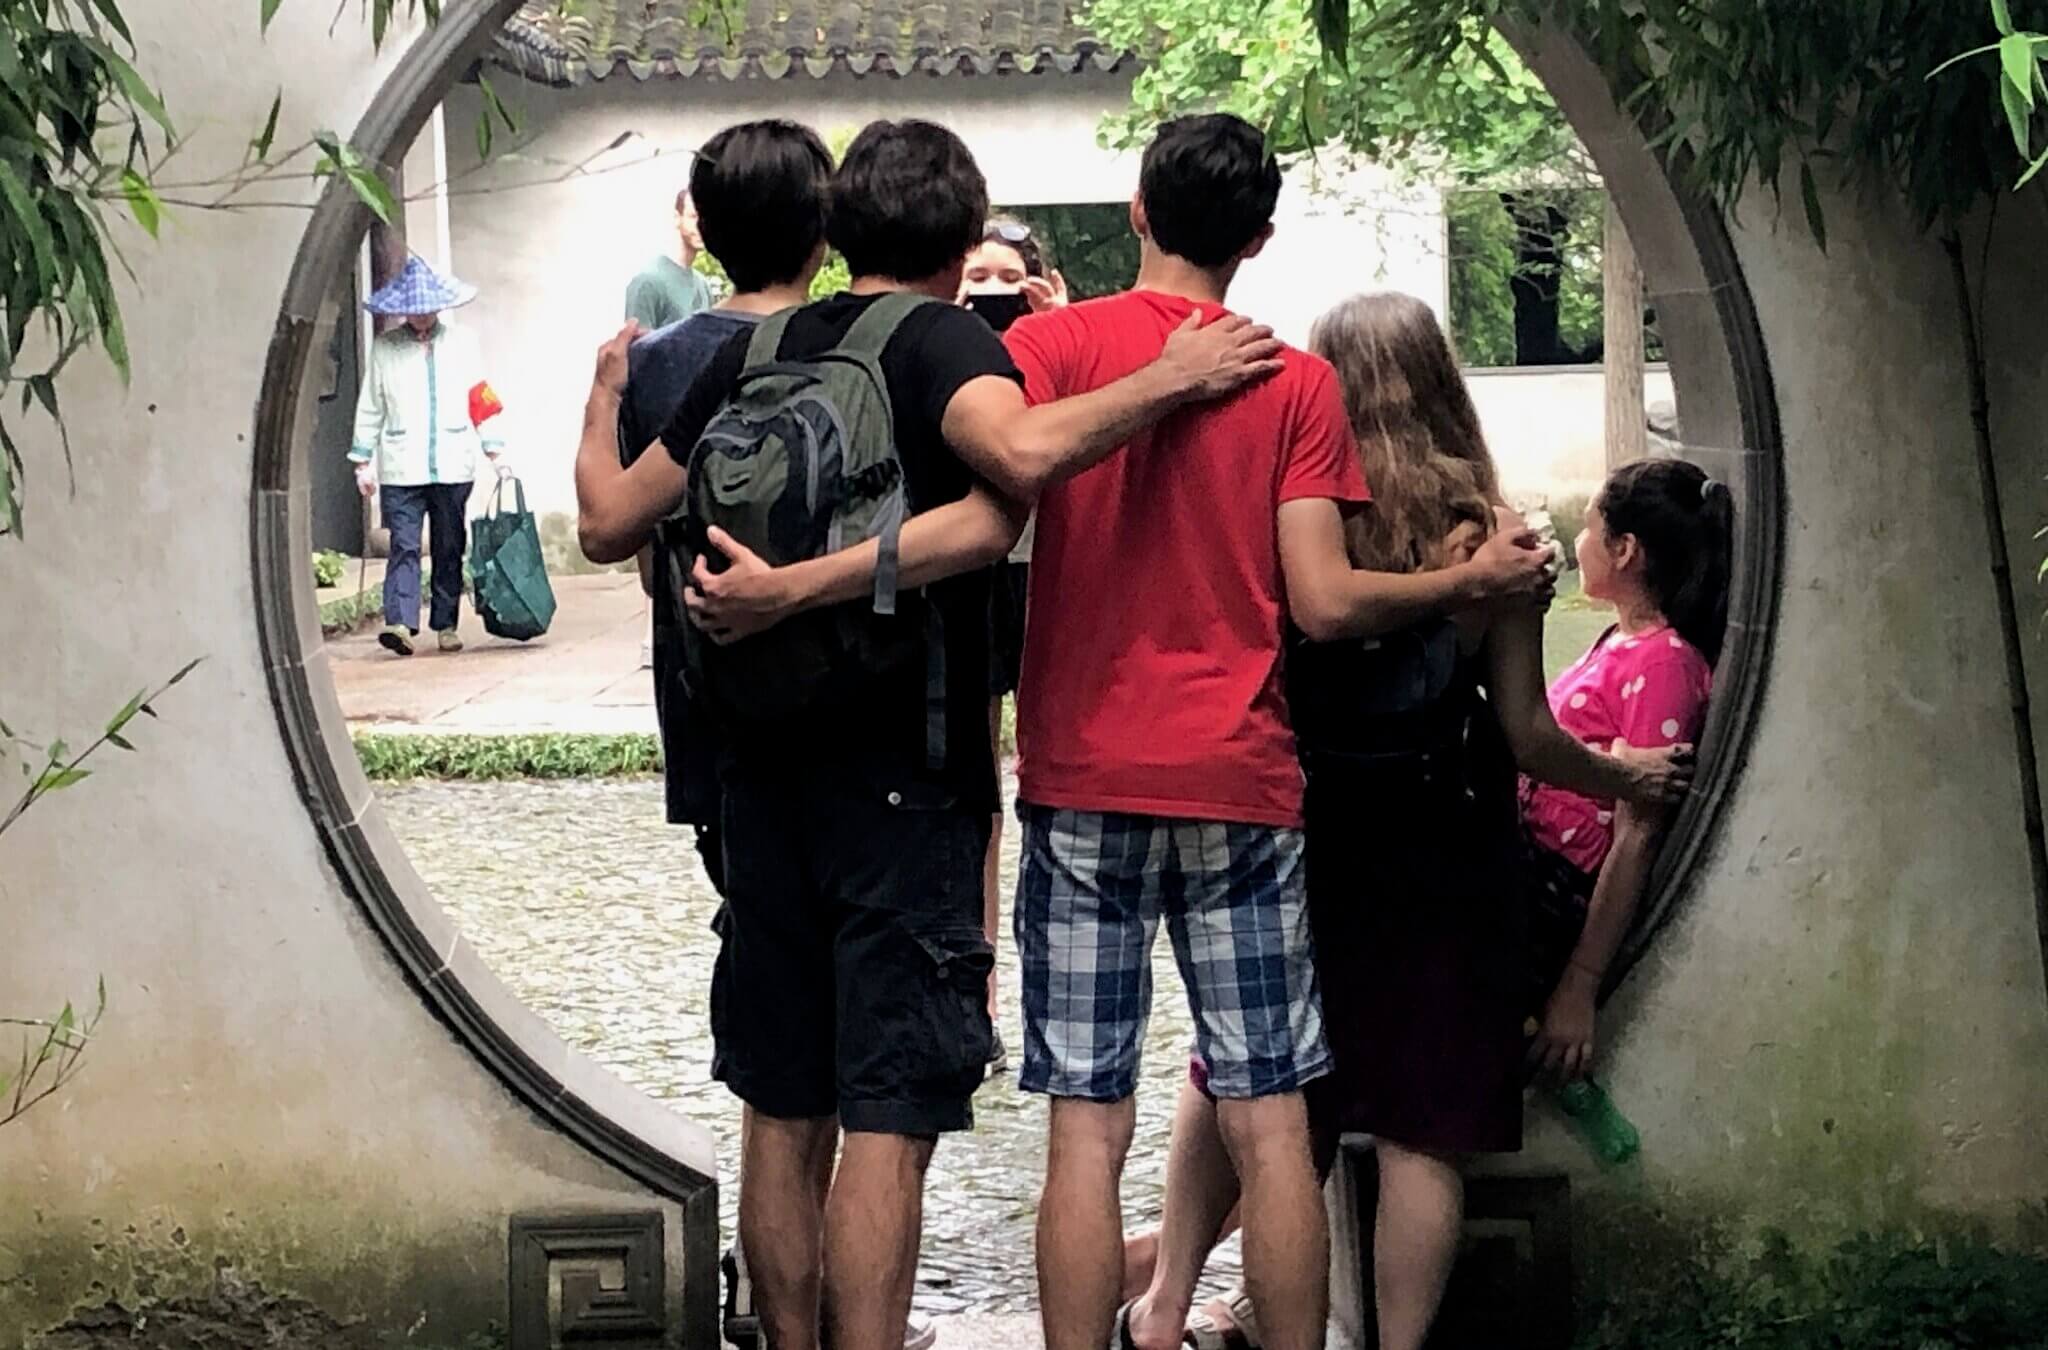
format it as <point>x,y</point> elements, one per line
<point>669,288</point>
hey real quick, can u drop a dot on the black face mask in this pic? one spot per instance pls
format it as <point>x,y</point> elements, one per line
<point>999,310</point>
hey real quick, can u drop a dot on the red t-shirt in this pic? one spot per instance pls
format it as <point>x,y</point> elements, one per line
<point>1151,676</point>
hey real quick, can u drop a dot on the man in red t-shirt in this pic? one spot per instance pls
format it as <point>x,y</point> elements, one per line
<point>1158,773</point>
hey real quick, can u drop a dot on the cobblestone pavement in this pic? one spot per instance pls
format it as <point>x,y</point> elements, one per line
<point>598,915</point>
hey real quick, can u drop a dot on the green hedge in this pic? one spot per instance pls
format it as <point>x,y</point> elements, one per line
<point>398,757</point>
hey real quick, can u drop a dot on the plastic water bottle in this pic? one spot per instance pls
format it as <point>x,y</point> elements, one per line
<point>1599,1122</point>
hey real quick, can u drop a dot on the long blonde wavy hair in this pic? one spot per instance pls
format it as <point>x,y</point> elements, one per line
<point>1424,455</point>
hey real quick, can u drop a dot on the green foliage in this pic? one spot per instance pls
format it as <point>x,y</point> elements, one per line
<point>81,128</point>
<point>78,127</point>
<point>1887,1292</point>
<point>1465,108</point>
<point>1785,97</point>
<point>328,568</point>
<point>52,1049</point>
<point>1482,237</point>
<point>1091,245</point>
<point>2022,57</point>
<point>555,755</point>
<point>51,1053</point>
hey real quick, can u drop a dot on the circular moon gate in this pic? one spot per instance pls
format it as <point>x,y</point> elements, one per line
<point>1731,424</point>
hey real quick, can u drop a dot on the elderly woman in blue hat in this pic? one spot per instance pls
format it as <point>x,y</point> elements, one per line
<point>419,426</point>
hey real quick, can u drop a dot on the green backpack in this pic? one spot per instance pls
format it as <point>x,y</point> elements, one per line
<point>801,462</point>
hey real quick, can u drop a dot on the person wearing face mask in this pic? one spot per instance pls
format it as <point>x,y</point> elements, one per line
<point>1006,279</point>
<point>420,422</point>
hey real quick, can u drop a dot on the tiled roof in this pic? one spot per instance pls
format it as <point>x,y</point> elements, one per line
<point>572,42</point>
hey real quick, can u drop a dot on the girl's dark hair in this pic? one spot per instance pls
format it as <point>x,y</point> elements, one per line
<point>1685,522</point>
<point>1017,237</point>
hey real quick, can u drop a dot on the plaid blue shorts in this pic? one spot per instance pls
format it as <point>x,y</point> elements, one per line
<point>1093,889</point>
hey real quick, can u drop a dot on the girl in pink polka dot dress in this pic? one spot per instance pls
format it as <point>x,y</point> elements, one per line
<point>1656,546</point>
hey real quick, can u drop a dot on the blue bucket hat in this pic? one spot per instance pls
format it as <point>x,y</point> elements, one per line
<point>419,289</point>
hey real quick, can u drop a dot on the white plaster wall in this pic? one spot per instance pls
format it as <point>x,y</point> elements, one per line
<point>1548,428</point>
<point>552,248</point>
<point>266,1092</point>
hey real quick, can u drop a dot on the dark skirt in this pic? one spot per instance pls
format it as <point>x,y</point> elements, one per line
<point>1421,945</point>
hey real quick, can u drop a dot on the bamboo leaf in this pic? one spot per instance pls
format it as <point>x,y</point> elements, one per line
<point>2038,165</point>
<point>179,678</point>
<point>10,479</point>
<point>134,86</point>
<point>374,191</point>
<point>1333,30</point>
<point>2017,114</point>
<point>119,742</point>
<point>2001,14</point>
<point>115,21</point>
<point>142,200</point>
<point>496,104</point>
<point>30,216</point>
<point>2016,55</point>
<point>1816,219</point>
<point>267,137</point>
<point>56,780</point>
<point>269,13</point>
<point>127,713</point>
<point>484,130</point>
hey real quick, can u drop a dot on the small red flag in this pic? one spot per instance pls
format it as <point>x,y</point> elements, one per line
<point>484,404</point>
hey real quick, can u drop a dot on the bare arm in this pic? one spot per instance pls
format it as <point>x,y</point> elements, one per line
<point>1020,448</point>
<point>1549,754</point>
<point>1542,749</point>
<point>617,508</point>
<point>749,596</point>
<point>1328,598</point>
<point>1565,1045</point>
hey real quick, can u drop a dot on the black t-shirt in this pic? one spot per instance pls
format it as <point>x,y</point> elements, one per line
<point>938,349</point>
<point>661,367</point>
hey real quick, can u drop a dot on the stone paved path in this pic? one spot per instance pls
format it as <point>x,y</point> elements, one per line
<point>598,916</point>
<point>584,675</point>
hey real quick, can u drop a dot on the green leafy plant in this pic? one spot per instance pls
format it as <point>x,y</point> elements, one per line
<point>81,130</point>
<point>399,757</point>
<point>328,568</point>
<point>53,1049</point>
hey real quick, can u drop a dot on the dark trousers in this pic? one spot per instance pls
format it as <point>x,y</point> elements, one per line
<point>444,509</point>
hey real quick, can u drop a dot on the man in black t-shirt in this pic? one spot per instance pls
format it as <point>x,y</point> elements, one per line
<point>759,194</point>
<point>849,990</point>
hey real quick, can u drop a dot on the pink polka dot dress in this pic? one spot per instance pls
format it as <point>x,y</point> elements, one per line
<point>1646,689</point>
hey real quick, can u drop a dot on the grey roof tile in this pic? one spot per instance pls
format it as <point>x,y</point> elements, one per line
<point>574,42</point>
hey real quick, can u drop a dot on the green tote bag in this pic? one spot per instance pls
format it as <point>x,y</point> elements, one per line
<point>513,596</point>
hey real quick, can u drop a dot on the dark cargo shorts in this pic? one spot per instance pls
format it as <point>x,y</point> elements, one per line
<point>852,974</point>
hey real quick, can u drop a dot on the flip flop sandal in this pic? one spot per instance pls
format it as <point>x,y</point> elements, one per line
<point>1206,1333</point>
<point>1120,1333</point>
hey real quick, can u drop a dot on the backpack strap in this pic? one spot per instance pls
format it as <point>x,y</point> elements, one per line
<point>878,323</point>
<point>766,342</point>
<point>865,341</point>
